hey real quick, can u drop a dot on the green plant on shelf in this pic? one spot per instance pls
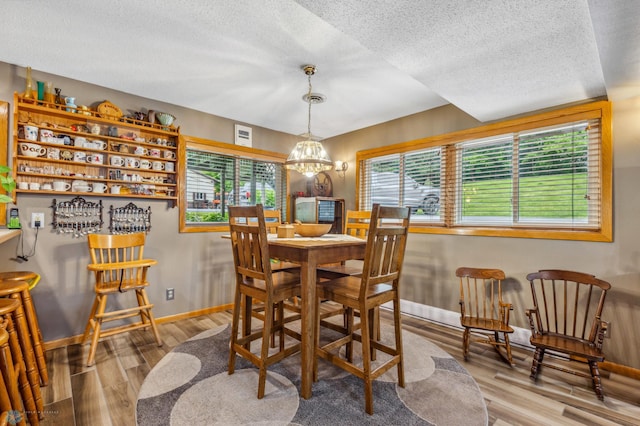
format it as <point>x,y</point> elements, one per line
<point>7,183</point>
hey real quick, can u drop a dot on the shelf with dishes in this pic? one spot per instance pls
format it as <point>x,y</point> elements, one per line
<point>56,151</point>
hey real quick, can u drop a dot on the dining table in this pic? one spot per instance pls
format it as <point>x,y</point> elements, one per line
<point>309,252</point>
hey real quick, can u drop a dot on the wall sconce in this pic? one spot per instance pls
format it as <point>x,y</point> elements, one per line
<point>341,167</point>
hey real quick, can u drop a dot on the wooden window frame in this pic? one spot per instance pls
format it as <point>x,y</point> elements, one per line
<point>192,142</point>
<point>599,109</point>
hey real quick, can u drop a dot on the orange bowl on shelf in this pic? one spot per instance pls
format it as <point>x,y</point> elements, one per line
<point>312,229</point>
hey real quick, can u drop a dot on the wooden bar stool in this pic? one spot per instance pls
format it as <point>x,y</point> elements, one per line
<point>10,400</point>
<point>22,356</point>
<point>10,288</point>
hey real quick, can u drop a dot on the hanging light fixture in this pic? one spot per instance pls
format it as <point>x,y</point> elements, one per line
<point>309,157</point>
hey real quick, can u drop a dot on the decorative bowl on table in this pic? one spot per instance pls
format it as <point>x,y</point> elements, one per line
<point>165,118</point>
<point>312,229</point>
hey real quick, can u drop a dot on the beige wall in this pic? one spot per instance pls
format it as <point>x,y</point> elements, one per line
<point>199,266</point>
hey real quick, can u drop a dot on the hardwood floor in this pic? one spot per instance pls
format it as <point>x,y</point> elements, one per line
<point>105,394</point>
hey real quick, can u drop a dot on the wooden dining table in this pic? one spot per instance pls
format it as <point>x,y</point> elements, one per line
<point>309,252</point>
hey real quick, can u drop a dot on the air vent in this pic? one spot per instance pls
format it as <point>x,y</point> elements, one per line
<point>314,98</point>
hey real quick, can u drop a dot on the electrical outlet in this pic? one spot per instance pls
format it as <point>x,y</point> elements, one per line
<point>170,293</point>
<point>37,220</point>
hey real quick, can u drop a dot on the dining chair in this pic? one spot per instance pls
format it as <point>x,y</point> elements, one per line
<point>378,284</point>
<point>356,224</point>
<point>256,280</point>
<point>119,266</point>
<point>566,321</point>
<point>483,313</point>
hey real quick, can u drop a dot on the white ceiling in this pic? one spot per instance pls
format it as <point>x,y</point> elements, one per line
<point>377,59</point>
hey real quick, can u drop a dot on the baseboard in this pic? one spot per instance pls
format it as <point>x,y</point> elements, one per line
<point>520,336</point>
<point>74,340</point>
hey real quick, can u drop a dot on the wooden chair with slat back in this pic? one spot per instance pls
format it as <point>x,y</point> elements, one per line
<point>119,266</point>
<point>566,321</point>
<point>357,225</point>
<point>483,313</point>
<point>256,280</point>
<point>378,284</point>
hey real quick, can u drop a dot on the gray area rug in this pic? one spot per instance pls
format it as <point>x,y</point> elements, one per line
<point>190,386</point>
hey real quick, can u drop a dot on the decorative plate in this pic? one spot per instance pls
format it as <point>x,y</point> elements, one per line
<point>109,110</point>
<point>66,155</point>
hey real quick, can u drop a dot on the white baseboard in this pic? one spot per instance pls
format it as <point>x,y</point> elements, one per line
<point>520,336</point>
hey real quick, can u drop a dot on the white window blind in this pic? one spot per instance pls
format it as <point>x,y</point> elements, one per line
<point>408,179</point>
<point>545,177</point>
<point>215,181</point>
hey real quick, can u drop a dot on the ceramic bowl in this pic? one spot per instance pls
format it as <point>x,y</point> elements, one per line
<point>165,118</point>
<point>312,229</point>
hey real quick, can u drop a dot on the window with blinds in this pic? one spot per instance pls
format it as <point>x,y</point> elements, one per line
<point>216,181</point>
<point>543,176</point>
<point>412,180</point>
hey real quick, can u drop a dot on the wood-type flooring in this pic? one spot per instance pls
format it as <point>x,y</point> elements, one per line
<point>105,394</point>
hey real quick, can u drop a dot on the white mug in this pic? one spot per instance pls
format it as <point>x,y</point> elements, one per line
<point>32,149</point>
<point>115,189</point>
<point>169,167</point>
<point>80,156</point>
<point>145,164</point>
<point>31,133</point>
<point>80,141</point>
<point>169,154</point>
<point>157,165</point>
<point>23,185</point>
<point>60,185</point>
<point>98,144</point>
<point>95,158</point>
<point>47,186</point>
<point>154,152</point>
<point>140,150</point>
<point>132,162</point>
<point>34,186</point>
<point>99,187</point>
<point>53,153</point>
<point>46,135</point>
<point>116,161</point>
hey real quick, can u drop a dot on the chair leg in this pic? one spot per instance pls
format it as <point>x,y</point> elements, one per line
<point>595,377</point>
<point>29,358</point>
<point>537,363</point>
<point>147,317</point>
<point>398,332</point>
<point>507,347</point>
<point>26,392</point>
<point>97,326</point>
<point>92,315</point>
<point>366,361</point>
<point>264,351</point>
<point>36,336</point>
<point>234,331</point>
<point>465,343</point>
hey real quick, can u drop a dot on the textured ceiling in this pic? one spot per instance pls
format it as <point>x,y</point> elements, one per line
<point>377,59</point>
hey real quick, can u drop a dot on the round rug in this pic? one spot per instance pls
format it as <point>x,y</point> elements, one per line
<point>190,386</point>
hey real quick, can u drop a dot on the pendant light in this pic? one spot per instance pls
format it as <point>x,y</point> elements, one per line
<point>309,157</point>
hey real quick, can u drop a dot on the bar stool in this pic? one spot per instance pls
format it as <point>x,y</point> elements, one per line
<point>20,347</point>
<point>10,400</point>
<point>8,288</point>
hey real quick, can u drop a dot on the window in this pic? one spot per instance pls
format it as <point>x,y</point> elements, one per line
<point>545,176</point>
<point>220,175</point>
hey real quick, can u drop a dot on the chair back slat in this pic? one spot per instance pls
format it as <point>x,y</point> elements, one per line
<point>386,243</point>
<point>115,249</point>
<point>481,292</point>
<point>272,219</point>
<point>568,303</point>
<point>249,243</point>
<point>357,223</point>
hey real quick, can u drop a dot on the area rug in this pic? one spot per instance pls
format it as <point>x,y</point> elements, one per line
<point>190,386</point>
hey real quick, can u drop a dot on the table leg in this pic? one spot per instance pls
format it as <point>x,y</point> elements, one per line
<point>308,281</point>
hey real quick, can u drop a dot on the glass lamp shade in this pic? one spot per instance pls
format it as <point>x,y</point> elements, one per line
<point>309,158</point>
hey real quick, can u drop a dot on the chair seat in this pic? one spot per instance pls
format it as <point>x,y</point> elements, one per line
<point>283,282</point>
<point>337,271</point>
<point>346,290</point>
<point>486,324</point>
<point>569,346</point>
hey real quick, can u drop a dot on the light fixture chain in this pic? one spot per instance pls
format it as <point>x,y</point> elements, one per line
<point>309,101</point>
